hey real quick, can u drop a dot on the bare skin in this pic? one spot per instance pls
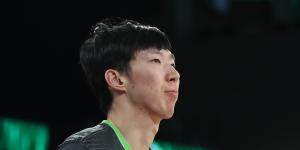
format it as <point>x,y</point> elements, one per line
<point>144,96</point>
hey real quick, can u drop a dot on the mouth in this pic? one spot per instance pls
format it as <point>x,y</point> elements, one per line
<point>172,94</point>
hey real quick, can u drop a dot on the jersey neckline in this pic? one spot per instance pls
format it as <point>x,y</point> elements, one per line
<point>121,138</point>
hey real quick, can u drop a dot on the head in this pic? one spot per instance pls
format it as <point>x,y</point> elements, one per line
<point>126,57</point>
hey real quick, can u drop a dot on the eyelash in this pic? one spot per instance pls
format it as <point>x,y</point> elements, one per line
<point>173,65</point>
<point>158,61</point>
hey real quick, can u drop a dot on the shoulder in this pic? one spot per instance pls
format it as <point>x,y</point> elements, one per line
<point>100,136</point>
<point>86,134</point>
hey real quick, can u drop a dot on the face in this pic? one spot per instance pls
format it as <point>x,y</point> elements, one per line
<point>153,82</point>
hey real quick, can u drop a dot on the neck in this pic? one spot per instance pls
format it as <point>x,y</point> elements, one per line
<point>136,125</point>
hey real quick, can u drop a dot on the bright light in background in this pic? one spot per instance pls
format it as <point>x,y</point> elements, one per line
<point>159,145</point>
<point>22,135</point>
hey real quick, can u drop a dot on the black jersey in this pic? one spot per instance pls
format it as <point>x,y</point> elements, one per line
<point>104,136</point>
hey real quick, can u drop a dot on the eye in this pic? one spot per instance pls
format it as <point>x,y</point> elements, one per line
<point>173,65</point>
<point>156,60</point>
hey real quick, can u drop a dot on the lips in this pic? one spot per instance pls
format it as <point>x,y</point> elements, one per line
<point>172,93</point>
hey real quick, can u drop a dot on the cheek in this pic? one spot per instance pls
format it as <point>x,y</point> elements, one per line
<point>148,80</point>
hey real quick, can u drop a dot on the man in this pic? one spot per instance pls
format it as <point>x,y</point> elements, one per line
<point>132,72</point>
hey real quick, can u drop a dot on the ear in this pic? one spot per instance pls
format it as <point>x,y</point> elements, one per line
<point>114,80</point>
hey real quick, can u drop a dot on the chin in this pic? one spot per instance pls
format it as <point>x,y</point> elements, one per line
<point>168,115</point>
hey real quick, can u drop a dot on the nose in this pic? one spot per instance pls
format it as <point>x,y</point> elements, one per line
<point>173,75</point>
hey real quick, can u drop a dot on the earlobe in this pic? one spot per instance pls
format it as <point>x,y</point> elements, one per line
<point>114,80</point>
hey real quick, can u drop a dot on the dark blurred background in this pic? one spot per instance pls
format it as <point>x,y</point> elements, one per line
<point>238,61</point>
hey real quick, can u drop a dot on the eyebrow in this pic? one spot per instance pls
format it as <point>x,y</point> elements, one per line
<point>171,56</point>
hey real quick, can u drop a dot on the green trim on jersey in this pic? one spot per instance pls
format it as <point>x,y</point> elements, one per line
<point>121,138</point>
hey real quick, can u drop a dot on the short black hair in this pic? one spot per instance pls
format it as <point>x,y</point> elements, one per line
<point>113,42</point>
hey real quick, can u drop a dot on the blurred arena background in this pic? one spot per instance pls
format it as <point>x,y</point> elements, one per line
<point>238,61</point>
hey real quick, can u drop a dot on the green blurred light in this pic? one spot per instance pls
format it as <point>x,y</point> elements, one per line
<point>22,135</point>
<point>160,145</point>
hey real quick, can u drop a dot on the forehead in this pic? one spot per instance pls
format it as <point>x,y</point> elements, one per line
<point>152,51</point>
